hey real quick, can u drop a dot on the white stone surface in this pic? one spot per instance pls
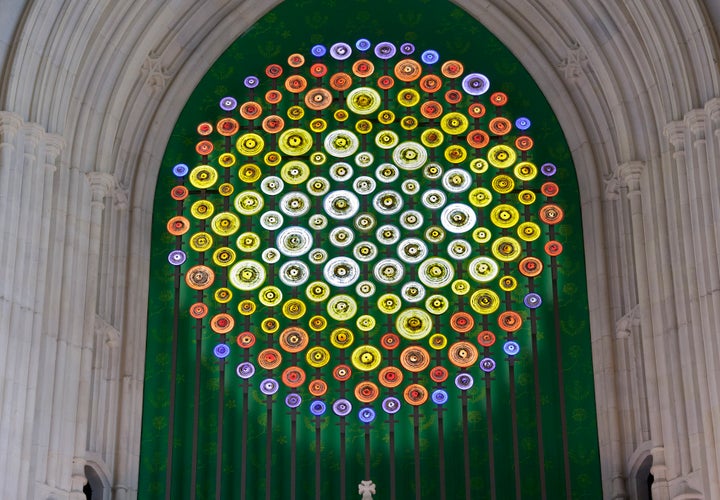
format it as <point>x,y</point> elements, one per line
<point>89,92</point>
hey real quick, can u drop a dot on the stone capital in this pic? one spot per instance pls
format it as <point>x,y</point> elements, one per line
<point>10,123</point>
<point>712,108</point>
<point>675,132</point>
<point>630,173</point>
<point>102,184</point>
<point>696,120</point>
<point>54,147</point>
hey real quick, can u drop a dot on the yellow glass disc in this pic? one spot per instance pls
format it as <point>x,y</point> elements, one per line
<point>224,256</point>
<point>250,144</point>
<point>317,356</point>
<point>249,173</point>
<point>454,123</point>
<point>246,307</point>
<point>408,97</point>
<point>225,224</point>
<point>480,197</point>
<point>248,242</point>
<point>481,234</point>
<point>269,325</point>
<point>437,304</point>
<point>387,139</point>
<point>318,125</point>
<point>365,323</point>
<point>455,154</point>
<point>272,158</point>
<point>294,309</point>
<point>295,172</point>
<point>413,324</point>
<point>203,177</point>
<point>295,112</point>
<point>318,158</point>
<point>525,171</point>
<point>508,283</point>
<point>226,160</point>
<point>526,197</point>
<point>503,184</point>
<point>409,122</point>
<point>201,241</point>
<point>460,287</point>
<point>363,100</point>
<point>363,126</point>
<point>389,303</point>
<point>366,358</point>
<point>485,301</point>
<point>501,156</point>
<point>432,137</point>
<point>202,209</point>
<point>342,307</point>
<point>226,189</point>
<point>341,338</point>
<point>386,117</point>
<point>295,142</point>
<point>317,323</point>
<point>528,231</point>
<point>506,248</point>
<point>478,165</point>
<point>341,115</point>
<point>504,216</point>
<point>437,341</point>
<point>270,296</point>
<point>249,202</point>
<point>317,291</point>
<point>223,295</point>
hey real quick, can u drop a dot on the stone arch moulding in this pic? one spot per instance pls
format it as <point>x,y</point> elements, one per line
<point>564,62</point>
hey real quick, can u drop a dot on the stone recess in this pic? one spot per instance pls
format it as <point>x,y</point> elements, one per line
<point>89,93</point>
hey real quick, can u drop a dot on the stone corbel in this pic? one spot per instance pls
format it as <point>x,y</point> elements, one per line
<point>624,326</point>
<point>105,329</point>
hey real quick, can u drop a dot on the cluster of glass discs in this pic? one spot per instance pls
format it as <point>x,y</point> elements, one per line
<point>356,226</point>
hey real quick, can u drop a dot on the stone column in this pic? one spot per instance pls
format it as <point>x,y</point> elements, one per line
<point>101,185</point>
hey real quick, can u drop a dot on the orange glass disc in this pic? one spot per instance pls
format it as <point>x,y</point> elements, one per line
<point>179,193</point>
<point>222,323</point>
<point>462,322</point>
<point>199,277</point>
<point>294,339</point>
<point>318,70</point>
<point>363,68</point>
<point>549,189</point>
<point>269,359</point>
<point>430,83</point>
<point>390,341</point>
<point>366,391</point>
<point>318,98</point>
<point>439,374</point>
<point>390,376</point>
<point>273,96</point>
<point>478,139</point>
<point>408,70</point>
<point>499,98</point>
<point>295,83</point>
<point>386,82</point>
<point>524,143</point>
<point>453,96</point>
<point>530,267</point>
<point>274,70</point>
<point>553,248</point>
<point>463,354</point>
<point>431,109</point>
<point>342,372</point>
<point>415,394</point>
<point>510,321</point>
<point>551,214</point>
<point>250,110</point>
<point>452,69</point>
<point>293,376</point>
<point>198,310</point>
<point>205,128</point>
<point>340,81</point>
<point>204,148</point>
<point>178,225</point>
<point>476,110</point>
<point>500,125</point>
<point>296,60</point>
<point>228,126</point>
<point>486,338</point>
<point>245,340</point>
<point>273,124</point>
<point>317,387</point>
<point>415,358</point>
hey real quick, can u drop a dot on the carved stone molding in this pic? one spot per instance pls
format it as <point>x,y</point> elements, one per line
<point>573,65</point>
<point>155,73</point>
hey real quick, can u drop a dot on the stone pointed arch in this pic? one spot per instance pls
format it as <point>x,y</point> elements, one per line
<point>87,87</point>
